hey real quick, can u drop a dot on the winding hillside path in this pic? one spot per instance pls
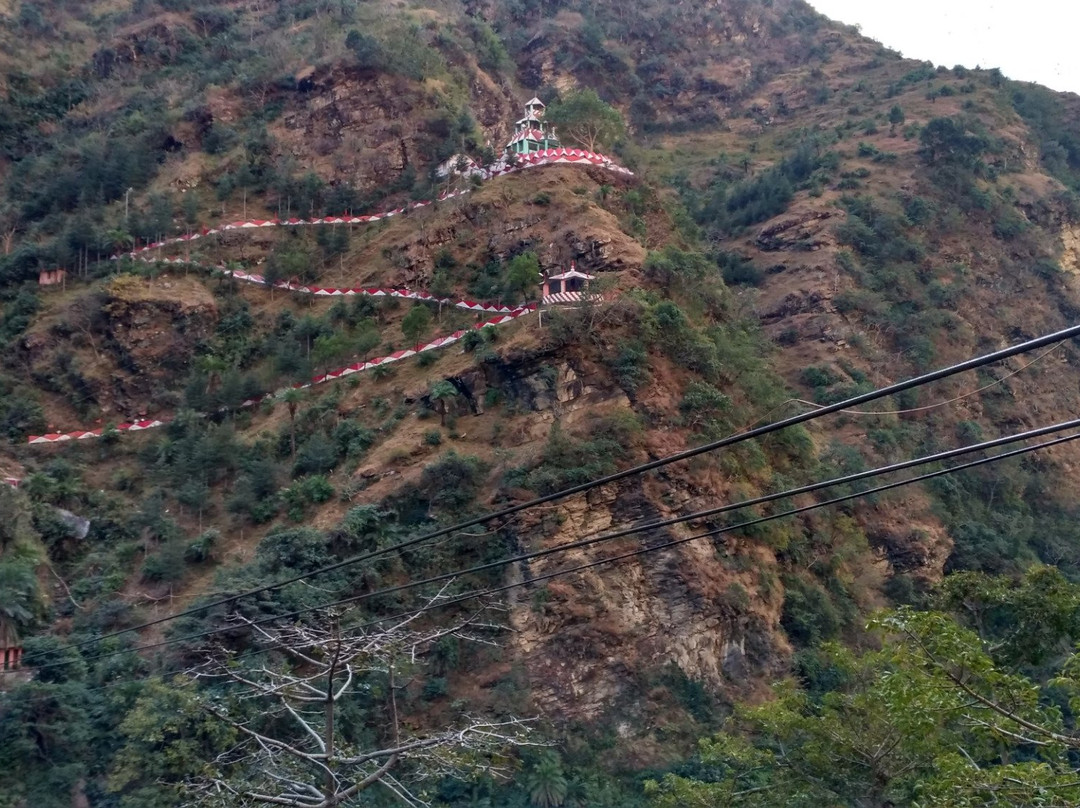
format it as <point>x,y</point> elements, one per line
<point>574,157</point>
<point>358,367</point>
<point>504,314</point>
<point>323,291</point>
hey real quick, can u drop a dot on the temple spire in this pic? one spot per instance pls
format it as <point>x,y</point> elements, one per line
<point>532,133</point>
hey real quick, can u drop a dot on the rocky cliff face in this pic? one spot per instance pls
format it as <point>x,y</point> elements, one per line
<point>587,640</point>
<point>369,128</point>
<point>534,213</point>
<point>119,348</point>
<point>589,643</point>
<point>156,324</point>
<point>1070,249</point>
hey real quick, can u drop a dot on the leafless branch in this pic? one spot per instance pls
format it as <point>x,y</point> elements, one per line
<point>311,765</point>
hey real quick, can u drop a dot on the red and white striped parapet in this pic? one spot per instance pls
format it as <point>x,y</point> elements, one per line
<point>397,356</point>
<point>538,159</point>
<point>327,291</point>
<point>506,314</point>
<point>64,437</point>
<point>570,297</point>
<point>333,375</point>
<point>13,482</point>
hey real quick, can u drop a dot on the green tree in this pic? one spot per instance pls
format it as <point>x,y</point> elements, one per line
<point>120,240</point>
<point>416,324</point>
<point>21,553</point>
<point>523,277</point>
<point>212,367</point>
<point>367,340</point>
<point>272,275</point>
<point>18,538</point>
<point>1027,622</point>
<point>546,783</point>
<point>49,736</point>
<point>168,737</point>
<point>290,262</point>
<point>896,117</point>
<point>32,18</point>
<point>190,204</point>
<point>293,398</point>
<point>950,141</point>
<point>328,347</point>
<point>19,597</point>
<point>441,394</point>
<point>929,719</point>
<point>367,50</point>
<point>584,119</point>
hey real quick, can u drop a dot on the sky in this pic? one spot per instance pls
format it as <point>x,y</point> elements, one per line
<point>1030,40</point>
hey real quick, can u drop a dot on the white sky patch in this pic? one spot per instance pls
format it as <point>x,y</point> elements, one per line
<point>1030,40</point>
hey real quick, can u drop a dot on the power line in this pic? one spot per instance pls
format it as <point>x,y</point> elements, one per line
<point>815,406</point>
<point>918,381</point>
<point>652,526</point>
<point>715,532</point>
<point>923,408</point>
<point>811,487</point>
<point>710,512</point>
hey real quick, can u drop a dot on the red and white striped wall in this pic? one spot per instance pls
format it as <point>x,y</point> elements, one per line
<point>524,161</point>
<point>505,314</point>
<point>359,367</point>
<point>327,291</point>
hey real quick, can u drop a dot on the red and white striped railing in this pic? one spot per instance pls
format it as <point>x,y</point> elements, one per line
<point>359,367</point>
<point>506,314</point>
<point>524,161</point>
<point>328,291</point>
<point>570,297</point>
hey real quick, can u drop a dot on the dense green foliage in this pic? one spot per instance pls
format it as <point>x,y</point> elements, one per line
<point>734,201</point>
<point>1059,146</point>
<point>585,121</point>
<point>936,717</point>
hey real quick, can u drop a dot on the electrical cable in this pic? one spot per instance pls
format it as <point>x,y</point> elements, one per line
<point>719,531</point>
<point>947,401</point>
<point>766,498</point>
<point>854,477</point>
<point>607,537</point>
<point>815,406</point>
<point>923,408</point>
<point>918,381</point>
<point>710,512</point>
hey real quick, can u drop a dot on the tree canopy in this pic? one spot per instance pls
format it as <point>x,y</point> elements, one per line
<point>523,277</point>
<point>583,119</point>
<point>936,715</point>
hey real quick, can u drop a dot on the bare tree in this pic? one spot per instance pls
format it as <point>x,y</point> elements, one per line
<point>88,316</point>
<point>9,227</point>
<point>294,753</point>
<point>7,237</point>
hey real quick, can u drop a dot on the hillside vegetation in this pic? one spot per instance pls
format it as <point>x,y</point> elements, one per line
<point>809,217</point>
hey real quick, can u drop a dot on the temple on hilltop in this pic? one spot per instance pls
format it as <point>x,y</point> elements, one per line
<point>532,133</point>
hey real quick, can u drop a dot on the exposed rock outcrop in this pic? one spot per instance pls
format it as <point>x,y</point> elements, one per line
<point>588,639</point>
<point>806,231</point>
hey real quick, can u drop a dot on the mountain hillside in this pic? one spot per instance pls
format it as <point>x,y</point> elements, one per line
<point>299,318</point>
